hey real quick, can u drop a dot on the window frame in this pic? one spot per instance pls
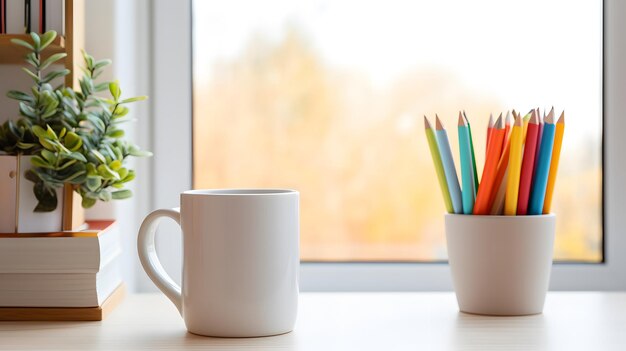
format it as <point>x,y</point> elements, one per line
<point>172,167</point>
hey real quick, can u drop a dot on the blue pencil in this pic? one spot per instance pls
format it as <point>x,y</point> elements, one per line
<point>467,170</point>
<point>448,167</point>
<point>542,167</point>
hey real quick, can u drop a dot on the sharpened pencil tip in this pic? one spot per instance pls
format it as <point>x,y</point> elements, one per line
<point>534,118</point>
<point>499,124</point>
<point>561,118</point>
<point>426,123</point>
<point>518,121</point>
<point>508,118</point>
<point>549,118</point>
<point>461,122</point>
<point>438,124</point>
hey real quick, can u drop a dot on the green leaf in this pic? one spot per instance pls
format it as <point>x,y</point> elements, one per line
<point>52,59</point>
<point>93,183</point>
<point>25,146</point>
<point>107,173</point>
<point>47,38</point>
<point>36,41</point>
<point>31,74</point>
<point>88,202</point>
<point>98,156</point>
<point>119,112</point>
<point>55,74</point>
<point>114,88</point>
<point>76,156</point>
<point>37,161</point>
<point>101,64</point>
<point>116,165</point>
<point>91,170</point>
<point>133,99</point>
<point>20,96</point>
<point>123,172</point>
<point>50,157</point>
<point>39,132</point>
<point>27,111</point>
<point>115,133</point>
<point>21,42</point>
<point>51,134</point>
<point>73,141</point>
<point>140,153</point>
<point>121,194</point>
<point>105,195</point>
<point>46,197</point>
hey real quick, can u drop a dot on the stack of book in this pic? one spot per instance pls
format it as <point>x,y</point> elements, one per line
<point>61,276</point>
<point>25,16</point>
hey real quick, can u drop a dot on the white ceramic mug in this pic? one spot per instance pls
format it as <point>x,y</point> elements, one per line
<point>500,264</point>
<point>240,261</point>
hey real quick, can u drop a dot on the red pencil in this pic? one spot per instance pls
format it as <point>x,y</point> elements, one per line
<point>528,164</point>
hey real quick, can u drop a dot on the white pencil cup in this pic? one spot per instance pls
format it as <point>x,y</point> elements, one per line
<point>500,264</point>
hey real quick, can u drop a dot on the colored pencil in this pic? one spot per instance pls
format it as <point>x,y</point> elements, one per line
<point>495,201</point>
<point>469,129</point>
<point>554,162</point>
<point>489,130</point>
<point>539,135</point>
<point>434,152</point>
<point>507,129</point>
<point>526,120</point>
<point>497,208</point>
<point>528,164</point>
<point>448,166</point>
<point>515,164</point>
<point>481,207</point>
<point>467,173</point>
<point>542,168</point>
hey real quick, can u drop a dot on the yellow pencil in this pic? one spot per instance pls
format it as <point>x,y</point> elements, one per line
<point>515,165</point>
<point>526,119</point>
<point>434,152</point>
<point>554,162</point>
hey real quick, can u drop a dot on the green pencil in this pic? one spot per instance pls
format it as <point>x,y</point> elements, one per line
<point>441,176</point>
<point>469,129</point>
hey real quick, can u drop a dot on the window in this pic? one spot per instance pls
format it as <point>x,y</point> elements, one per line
<point>327,97</point>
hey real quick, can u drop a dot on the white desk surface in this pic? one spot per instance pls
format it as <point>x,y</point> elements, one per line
<point>349,321</point>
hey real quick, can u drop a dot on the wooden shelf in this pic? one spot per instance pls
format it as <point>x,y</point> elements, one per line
<point>11,54</point>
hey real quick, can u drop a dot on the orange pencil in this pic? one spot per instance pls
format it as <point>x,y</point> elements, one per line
<point>489,130</point>
<point>489,172</point>
<point>496,203</point>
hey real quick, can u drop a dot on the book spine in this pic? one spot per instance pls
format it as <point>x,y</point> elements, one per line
<point>27,16</point>
<point>3,16</point>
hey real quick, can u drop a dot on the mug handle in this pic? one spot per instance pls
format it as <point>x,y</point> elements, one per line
<point>146,249</point>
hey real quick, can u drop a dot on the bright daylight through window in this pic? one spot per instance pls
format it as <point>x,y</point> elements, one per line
<point>327,97</point>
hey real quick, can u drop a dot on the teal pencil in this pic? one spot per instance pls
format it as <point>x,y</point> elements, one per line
<point>448,167</point>
<point>475,171</point>
<point>467,173</point>
<point>542,167</point>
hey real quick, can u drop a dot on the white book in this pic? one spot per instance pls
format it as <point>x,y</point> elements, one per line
<point>64,252</point>
<point>60,289</point>
<point>16,23</point>
<point>55,16</point>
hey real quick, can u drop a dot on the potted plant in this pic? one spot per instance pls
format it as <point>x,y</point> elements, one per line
<point>62,137</point>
